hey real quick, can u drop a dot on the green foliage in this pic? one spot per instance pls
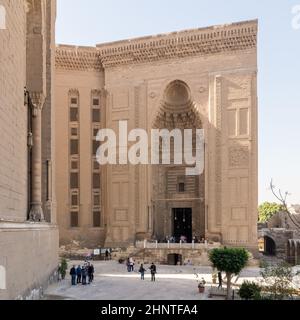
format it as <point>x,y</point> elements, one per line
<point>229,260</point>
<point>278,281</point>
<point>250,291</point>
<point>267,210</point>
<point>63,267</point>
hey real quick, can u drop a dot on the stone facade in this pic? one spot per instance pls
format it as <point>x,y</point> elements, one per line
<point>28,235</point>
<point>212,72</point>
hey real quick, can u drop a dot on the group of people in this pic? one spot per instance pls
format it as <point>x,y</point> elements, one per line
<point>152,269</point>
<point>130,268</point>
<point>82,274</point>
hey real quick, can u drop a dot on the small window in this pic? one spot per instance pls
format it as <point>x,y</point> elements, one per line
<point>97,219</point>
<point>181,187</point>
<point>74,180</point>
<point>74,149</point>
<point>96,199</point>
<point>96,115</point>
<point>74,219</point>
<point>96,181</point>
<point>96,165</point>
<point>74,132</point>
<point>95,132</point>
<point>74,165</point>
<point>96,102</point>
<point>74,200</point>
<point>74,114</point>
<point>74,101</point>
<point>96,145</point>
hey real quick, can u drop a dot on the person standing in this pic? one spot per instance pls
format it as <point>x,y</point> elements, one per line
<point>220,280</point>
<point>153,272</point>
<point>78,273</point>
<point>131,263</point>
<point>73,275</point>
<point>142,272</point>
<point>84,274</point>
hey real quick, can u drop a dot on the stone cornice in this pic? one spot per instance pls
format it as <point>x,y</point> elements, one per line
<point>77,58</point>
<point>196,42</point>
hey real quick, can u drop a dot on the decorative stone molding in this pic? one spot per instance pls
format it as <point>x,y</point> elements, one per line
<point>77,58</point>
<point>37,100</point>
<point>196,42</point>
<point>74,92</point>
<point>238,157</point>
<point>204,41</point>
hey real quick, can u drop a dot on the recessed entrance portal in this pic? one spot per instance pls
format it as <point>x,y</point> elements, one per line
<point>174,259</point>
<point>270,247</point>
<point>182,222</point>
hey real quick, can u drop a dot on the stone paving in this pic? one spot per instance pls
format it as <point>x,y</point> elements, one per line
<point>113,282</point>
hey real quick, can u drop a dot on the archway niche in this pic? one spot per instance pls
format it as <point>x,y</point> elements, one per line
<point>172,190</point>
<point>270,246</point>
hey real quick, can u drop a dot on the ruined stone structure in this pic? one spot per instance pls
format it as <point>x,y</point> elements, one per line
<point>28,231</point>
<point>280,236</point>
<point>203,78</point>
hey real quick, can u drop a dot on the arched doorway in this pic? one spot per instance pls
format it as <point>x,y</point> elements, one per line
<point>174,259</point>
<point>270,246</point>
<point>178,199</point>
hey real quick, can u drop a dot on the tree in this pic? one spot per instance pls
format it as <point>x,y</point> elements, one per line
<point>267,210</point>
<point>229,260</point>
<point>63,267</point>
<point>278,281</point>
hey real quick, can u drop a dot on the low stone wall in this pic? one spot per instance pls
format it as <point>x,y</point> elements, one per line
<point>29,256</point>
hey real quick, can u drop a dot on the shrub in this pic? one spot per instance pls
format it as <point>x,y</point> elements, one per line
<point>250,291</point>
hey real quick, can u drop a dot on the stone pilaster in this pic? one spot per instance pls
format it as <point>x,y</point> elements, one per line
<point>36,211</point>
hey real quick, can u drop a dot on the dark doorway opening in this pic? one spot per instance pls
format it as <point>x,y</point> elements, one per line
<point>182,222</point>
<point>174,259</point>
<point>270,247</point>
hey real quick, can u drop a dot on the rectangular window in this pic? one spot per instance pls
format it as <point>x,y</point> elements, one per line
<point>95,132</point>
<point>96,199</point>
<point>96,181</point>
<point>74,200</point>
<point>96,102</point>
<point>74,132</point>
<point>74,219</point>
<point>96,165</point>
<point>181,187</point>
<point>96,145</point>
<point>97,219</point>
<point>74,114</point>
<point>96,115</point>
<point>74,180</point>
<point>74,101</point>
<point>74,165</point>
<point>74,150</point>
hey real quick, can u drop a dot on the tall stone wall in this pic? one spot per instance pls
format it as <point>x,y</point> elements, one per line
<point>28,250</point>
<point>13,114</point>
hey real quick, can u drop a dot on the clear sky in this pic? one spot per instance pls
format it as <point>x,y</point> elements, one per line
<point>87,22</point>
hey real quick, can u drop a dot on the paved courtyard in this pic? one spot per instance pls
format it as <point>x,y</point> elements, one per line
<point>113,282</point>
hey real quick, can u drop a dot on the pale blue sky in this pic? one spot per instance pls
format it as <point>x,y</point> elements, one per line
<point>87,22</point>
